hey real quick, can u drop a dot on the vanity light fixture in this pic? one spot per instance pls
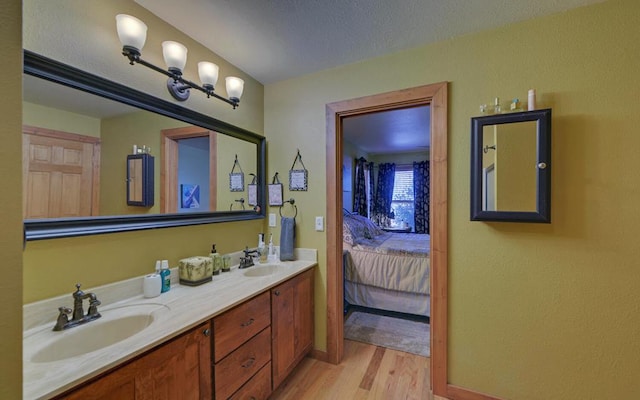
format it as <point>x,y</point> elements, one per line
<point>133,33</point>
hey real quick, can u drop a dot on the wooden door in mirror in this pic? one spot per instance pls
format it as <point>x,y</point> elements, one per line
<point>511,167</point>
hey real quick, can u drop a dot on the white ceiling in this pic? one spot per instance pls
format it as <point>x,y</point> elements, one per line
<point>397,131</point>
<point>273,40</point>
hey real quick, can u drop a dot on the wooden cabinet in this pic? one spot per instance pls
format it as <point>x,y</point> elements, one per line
<point>179,369</point>
<point>242,350</point>
<point>291,324</point>
<point>255,345</point>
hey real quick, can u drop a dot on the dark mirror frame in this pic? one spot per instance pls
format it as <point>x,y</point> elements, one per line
<point>54,71</point>
<point>543,178</point>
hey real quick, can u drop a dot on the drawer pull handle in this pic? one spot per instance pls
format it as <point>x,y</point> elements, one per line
<point>249,322</point>
<point>277,293</point>
<point>206,332</point>
<point>249,362</point>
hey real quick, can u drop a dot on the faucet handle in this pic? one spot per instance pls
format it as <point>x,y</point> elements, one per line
<point>64,310</point>
<point>93,307</point>
<point>63,318</point>
<point>78,292</point>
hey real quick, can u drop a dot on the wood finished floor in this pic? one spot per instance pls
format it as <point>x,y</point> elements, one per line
<point>366,372</point>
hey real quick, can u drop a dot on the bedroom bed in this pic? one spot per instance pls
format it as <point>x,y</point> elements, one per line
<point>385,270</point>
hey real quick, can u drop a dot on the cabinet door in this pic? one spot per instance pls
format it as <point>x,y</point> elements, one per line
<point>177,370</point>
<point>291,324</point>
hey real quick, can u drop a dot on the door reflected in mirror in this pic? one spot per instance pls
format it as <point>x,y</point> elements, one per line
<point>510,167</point>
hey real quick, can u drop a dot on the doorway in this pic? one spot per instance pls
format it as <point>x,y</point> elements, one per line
<point>169,177</point>
<point>435,96</point>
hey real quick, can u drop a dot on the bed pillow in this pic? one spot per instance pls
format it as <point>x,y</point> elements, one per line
<point>352,229</point>
<point>355,227</point>
<point>370,227</point>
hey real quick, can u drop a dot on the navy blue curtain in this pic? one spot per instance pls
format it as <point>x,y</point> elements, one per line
<point>360,195</point>
<point>384,191</point>
<point>421,182</point>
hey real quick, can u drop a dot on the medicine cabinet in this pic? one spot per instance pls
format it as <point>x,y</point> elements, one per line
<point>511,167</point>
<point>140,180</point>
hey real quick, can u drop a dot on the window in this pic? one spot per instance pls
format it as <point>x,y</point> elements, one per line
<point>402,203</point>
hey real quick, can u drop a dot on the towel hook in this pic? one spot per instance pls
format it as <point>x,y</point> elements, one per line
<point>240,200</point>
<point>290,201</point>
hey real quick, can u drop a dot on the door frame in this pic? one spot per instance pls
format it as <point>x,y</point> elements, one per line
<point>436,96</point>
<point>169,166</point>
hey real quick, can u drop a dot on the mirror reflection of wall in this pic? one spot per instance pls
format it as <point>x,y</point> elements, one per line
<point>509,166</point>
<point>105,132</point>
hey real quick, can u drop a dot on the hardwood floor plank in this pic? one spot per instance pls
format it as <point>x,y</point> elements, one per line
<point>398,375</point>
<point>372,369</point>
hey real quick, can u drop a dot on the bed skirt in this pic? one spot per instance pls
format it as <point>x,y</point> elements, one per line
<point>384,299</point>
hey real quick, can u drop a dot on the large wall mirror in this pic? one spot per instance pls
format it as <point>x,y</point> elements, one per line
<point>78,131</point>
<point>511,167</point>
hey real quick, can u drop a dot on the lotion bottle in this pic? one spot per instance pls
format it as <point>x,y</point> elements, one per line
<point>165,275</point>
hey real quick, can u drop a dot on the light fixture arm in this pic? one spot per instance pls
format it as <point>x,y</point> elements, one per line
<point>177,85</point>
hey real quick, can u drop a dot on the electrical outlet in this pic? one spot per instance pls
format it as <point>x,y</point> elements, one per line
<point>319,224</point>
<point>272,219</point>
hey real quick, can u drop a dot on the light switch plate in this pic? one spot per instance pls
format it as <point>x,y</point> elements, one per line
<point>319,224</point>
<point>272,219</point>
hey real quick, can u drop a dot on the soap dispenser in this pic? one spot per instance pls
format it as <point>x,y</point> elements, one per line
<point>216,260</point>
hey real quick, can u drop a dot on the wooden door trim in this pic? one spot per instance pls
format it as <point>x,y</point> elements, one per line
<point>169,165</point>
<point>95,157</point>
<point>436,96</point>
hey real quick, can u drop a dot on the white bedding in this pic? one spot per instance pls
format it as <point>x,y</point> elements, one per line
<point>394,261</point>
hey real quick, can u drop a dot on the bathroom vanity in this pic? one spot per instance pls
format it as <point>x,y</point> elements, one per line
<point>239,336</point>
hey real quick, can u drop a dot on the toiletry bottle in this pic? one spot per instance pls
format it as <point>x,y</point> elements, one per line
<point>271,251</point>
<point>531,100</point>
<point>262,250</point>
<point>216,260</point>
<point>165,275</point>
<point>496,106</point>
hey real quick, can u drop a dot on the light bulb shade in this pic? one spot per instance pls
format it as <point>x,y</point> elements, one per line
<point>131,31</point>
<point>208,73</point>
<point>234,87</point>
<point>175,55</point>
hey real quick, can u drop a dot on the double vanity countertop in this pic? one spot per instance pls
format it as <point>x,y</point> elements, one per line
<point>54,362</point>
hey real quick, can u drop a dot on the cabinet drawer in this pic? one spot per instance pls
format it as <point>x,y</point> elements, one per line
<point>239,324</point>
<point>258,387</point>
<point>235,369</point>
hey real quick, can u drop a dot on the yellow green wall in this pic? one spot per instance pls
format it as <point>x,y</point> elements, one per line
<point>59,120</point>
<point>536,311</point>
<point>11,210</point>
<point>83,34</point>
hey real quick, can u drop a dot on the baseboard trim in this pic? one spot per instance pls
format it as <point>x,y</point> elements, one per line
<point>319,355</point>
<point>459,393</point>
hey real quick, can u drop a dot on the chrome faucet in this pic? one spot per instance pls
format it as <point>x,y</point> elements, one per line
<point>78,317</point>
<point>247,260</point>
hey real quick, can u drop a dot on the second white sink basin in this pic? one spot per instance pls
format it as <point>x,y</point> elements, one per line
<point>264,270</point>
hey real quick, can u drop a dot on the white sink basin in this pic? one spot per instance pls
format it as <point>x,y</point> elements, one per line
<point>264,270</point>
<point>94,335</point>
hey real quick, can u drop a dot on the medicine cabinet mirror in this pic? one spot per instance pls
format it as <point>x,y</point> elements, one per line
<point>511,167</point>
<point>191,155</point>
<point>140,180</point>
